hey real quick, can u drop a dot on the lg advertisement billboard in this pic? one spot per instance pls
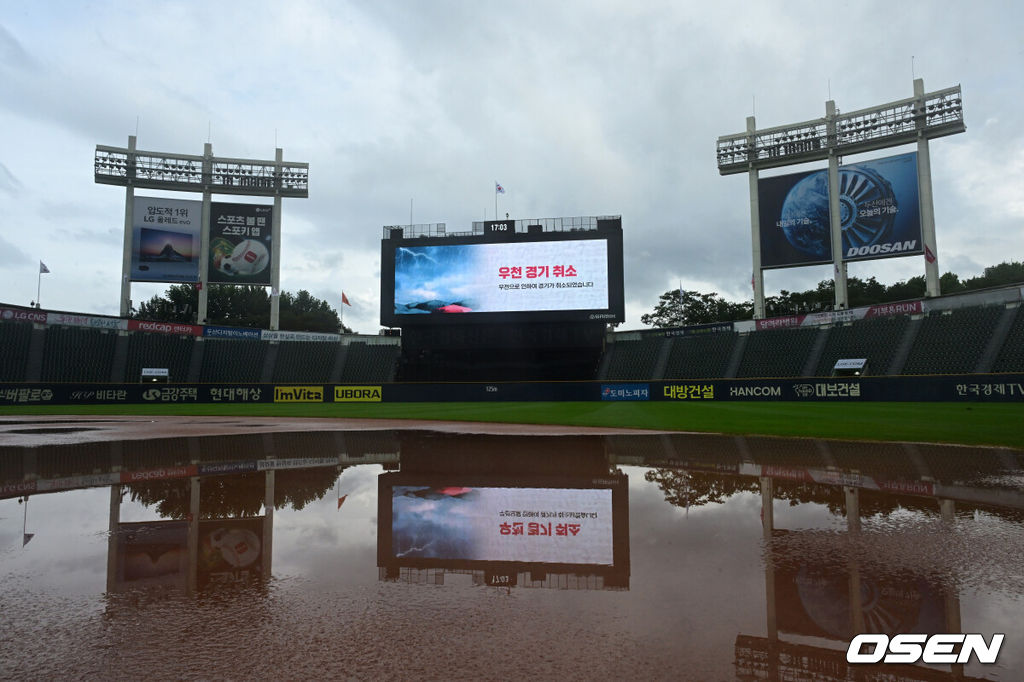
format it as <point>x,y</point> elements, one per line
<point>165,240</point>
<point>567,276</point>
<point>878,205</point>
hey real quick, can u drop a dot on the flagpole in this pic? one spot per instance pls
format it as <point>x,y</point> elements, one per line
<point>39,285</point>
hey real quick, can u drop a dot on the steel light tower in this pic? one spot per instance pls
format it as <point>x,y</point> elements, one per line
<point>915,119</point>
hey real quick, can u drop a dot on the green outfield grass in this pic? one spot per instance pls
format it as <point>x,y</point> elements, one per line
<point>968,424</point>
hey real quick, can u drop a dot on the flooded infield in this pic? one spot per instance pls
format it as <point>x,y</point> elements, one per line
<point>434,554</point>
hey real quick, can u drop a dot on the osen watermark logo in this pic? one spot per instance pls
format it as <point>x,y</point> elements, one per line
<point>357,394</point>
<point>911,648</point>
<point>298,394</point>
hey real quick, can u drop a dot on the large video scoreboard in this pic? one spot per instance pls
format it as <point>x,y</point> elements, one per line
<point>503,276</point>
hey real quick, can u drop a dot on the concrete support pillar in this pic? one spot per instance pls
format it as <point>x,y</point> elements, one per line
<point>275,243</point>
<point>204,236</point>
<point>129,218</point>
<point>927,207</point>
<point>755,228</point>
<point>835,212</point>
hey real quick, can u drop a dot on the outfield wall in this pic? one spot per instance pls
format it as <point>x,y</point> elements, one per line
<point>945,388</point>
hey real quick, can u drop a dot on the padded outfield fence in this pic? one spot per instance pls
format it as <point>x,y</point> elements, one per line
<point>947,388</point>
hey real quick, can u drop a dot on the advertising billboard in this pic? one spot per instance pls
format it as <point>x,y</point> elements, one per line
<point>532,525</point>
<point>878,206</point>
<point>519,278</point>
<point>240,243</point>
<point>165,240</point>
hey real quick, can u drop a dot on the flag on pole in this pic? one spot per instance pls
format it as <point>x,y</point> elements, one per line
<point>344,299</point>
<point>498,189</point>
<point>928,254</point>
<point>43,269</point>
<point>341,500</point>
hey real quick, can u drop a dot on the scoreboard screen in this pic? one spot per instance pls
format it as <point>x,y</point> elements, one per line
<point>569,276</point>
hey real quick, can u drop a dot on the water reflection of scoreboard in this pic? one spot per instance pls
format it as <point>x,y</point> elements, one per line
<point>503,526</point>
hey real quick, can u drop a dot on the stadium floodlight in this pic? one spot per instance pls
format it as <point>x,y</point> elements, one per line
<point>914,120</point>
<point>188,173</point>
<point>936,114</point>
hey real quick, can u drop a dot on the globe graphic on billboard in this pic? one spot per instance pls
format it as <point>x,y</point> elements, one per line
<point>805,216</point>
<point>867,210</point>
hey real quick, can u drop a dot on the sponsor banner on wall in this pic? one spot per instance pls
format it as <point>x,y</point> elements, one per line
<point>878,206</point>
<point>700,329</point>
<point>159,474</point>
<point>839,316</point>
<point>625,392</point>
<point>838,478</point>
<point>23,315</point>
<point>165,239</point>
<point>231,333</point>
<point>165,328</point>
<point>86,481</point>
<point>296,463</point>
<point>926,388</point>
<point>533,525</point>
<point>502,277</point>
<point>268,335</point>
<point>298,394</point>
<point>357,394</point>
<point>221,468</point>
<point>93,322</point>
<point>240,243</point>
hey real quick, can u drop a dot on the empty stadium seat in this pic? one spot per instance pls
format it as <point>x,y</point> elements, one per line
<point>305,361</point>
<point>78,354</point>
<point>15,338</point>
<point>952,342</point>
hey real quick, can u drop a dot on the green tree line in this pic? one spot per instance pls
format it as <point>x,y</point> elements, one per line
<point>679,307</point>
<point>243,306</point>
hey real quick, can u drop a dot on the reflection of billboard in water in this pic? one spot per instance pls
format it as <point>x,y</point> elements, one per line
<point>150,554</point>
<point>534,525</point>
<point>165,240</point>
<point>813,599</point>
<point>878,206</point>
<point>230,551</point>
<point>502,277</point>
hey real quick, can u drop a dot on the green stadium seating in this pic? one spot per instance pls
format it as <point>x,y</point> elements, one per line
<point>302,361</point>
<point>78,354</point>
<point>15,338</point>
<point>159,350</point>
<point>876,340</point>
<point>777,352</point>
<point>370,363</point>
<point>1011,356</point>
<point>952,342</point>
<point>700,357</point>
<point>232,360</point>
<point>634,360</point>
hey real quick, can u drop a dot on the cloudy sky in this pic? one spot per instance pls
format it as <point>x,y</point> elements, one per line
<point>577,108</point>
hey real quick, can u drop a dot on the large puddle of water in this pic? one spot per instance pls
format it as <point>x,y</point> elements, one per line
<point>437,555</point>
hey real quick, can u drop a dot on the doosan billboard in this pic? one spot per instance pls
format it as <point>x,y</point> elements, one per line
<point>879,212</point>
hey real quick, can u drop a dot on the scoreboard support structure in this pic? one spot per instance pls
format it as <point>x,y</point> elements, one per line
<point>914,120</point>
